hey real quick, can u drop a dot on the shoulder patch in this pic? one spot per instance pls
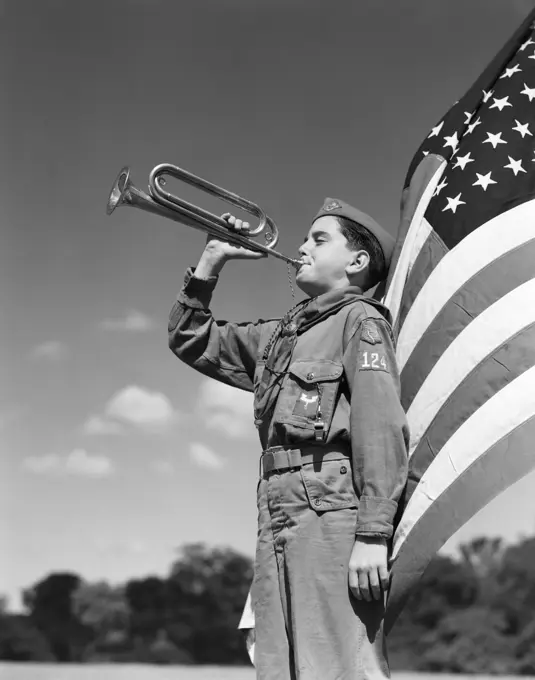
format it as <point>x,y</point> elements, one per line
<point>370,332</point>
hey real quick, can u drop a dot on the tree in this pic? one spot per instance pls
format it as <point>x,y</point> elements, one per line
<point>472,640</point>
<point>147,602</point>
<point>210,586</point>
<point>51,612</point>
<point>21,641</point>
<point>103,609</point>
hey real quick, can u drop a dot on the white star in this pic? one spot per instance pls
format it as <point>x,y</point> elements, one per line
<point>452,141</point>
<point>436,130</point>
<point>468,117</point>
<point>511,71</point>
<point>515,166</point>
<point>527,44</point>
<point>501,103</point>
<point>462,161</point>
<point>445,184</point>
<point>454,203</point>
<point>484,181</point>
<point>523,129</point>
<point>495,139</point>
<point>487,95</point>
<point>426,153</point>
<point>529,91</point>
<point>473,126</point>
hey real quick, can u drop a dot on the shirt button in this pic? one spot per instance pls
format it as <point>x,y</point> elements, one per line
<point>310,376</point>
<point>343,470</point>
<point>317,501</point>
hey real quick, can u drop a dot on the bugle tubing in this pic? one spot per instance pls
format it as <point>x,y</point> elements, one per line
<point>161,202</point>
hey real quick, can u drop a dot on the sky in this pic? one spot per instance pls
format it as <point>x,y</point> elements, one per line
<point>114,453</point>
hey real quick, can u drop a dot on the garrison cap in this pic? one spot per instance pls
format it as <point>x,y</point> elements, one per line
<point>333,206</point>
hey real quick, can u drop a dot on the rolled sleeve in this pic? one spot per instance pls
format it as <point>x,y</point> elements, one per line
<point>222,350</point>
<point>378,426</point>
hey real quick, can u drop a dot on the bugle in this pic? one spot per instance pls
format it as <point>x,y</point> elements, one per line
<point>163,203</point>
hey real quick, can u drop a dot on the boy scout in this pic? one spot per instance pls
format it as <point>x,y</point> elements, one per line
<point>334,444</point>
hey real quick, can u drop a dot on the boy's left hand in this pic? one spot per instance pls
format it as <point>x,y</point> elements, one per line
<point>368,568</point>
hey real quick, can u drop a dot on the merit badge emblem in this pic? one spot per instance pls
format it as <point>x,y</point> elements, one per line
<point>370,332</point>
<point>331,205</point>
<point>306,405</point>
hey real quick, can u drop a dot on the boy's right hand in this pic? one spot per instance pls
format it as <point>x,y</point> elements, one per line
<point>223,251</point>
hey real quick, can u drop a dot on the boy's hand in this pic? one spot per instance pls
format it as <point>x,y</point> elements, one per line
<point>368,568</point>
<point>226,251</point>
<point>217,252</point>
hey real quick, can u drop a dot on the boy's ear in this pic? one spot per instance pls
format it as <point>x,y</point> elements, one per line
<point>359,262</point>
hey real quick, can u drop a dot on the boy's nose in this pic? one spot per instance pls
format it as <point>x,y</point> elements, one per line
<point>301,250</point>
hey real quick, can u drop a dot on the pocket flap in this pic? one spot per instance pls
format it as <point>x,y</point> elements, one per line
<point>316,370</point>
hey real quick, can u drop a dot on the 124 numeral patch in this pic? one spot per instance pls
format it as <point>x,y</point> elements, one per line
<point>372,361</point>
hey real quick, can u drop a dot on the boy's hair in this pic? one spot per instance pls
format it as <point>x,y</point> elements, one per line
<point>360,238</point>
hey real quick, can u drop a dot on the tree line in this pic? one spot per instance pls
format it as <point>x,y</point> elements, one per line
<point>472,614</point>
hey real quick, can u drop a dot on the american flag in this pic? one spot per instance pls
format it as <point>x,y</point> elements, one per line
<point>462,294</point>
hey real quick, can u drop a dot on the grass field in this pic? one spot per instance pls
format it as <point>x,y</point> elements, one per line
<point>137,672</point>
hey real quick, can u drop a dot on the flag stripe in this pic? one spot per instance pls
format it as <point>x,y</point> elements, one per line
<point>507,363</point>
<point>416,236</point>
<point>482,481</point>
<point>498,236</point>
<point>491,283</point>
<point>503,412</point>
<point>430,255</point>
<point>410,200</point>
<point>499,322</point>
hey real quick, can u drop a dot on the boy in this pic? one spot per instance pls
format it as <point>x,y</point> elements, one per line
<point>334,440</point>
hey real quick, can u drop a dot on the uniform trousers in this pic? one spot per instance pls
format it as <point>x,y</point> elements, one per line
<point>308,625</point>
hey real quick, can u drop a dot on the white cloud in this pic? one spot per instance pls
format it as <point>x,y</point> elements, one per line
<point>205,457</point>
<point>43,464</point>
<point>226,410</point>
<point>100,425</point>
<point>52,350</point>
<point>133,321</point>
<point>141,407</point>
<point>78,462</point>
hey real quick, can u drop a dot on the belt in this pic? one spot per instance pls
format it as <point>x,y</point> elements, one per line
<point>279,458</point>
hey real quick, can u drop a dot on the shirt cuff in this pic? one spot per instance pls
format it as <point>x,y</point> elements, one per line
<point>196,293</point>
<point>376,516</point>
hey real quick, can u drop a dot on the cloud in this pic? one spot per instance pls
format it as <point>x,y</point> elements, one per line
<point>205,457</point>
<point>226,410</point>
<point>133,322</point>
<point>141,408</point>
<point>78,462</point>
<point>53,350</point>
<point>99,425</point>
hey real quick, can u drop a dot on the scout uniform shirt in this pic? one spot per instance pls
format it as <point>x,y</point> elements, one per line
<point>325,377</point>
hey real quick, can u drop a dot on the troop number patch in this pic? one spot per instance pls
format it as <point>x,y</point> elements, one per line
<point>372,361</point>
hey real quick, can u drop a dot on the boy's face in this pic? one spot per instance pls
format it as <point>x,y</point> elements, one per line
<point>325,256</point>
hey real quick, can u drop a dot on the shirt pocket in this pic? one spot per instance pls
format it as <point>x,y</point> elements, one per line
<point>329,486</point>
<point>308,397</point>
